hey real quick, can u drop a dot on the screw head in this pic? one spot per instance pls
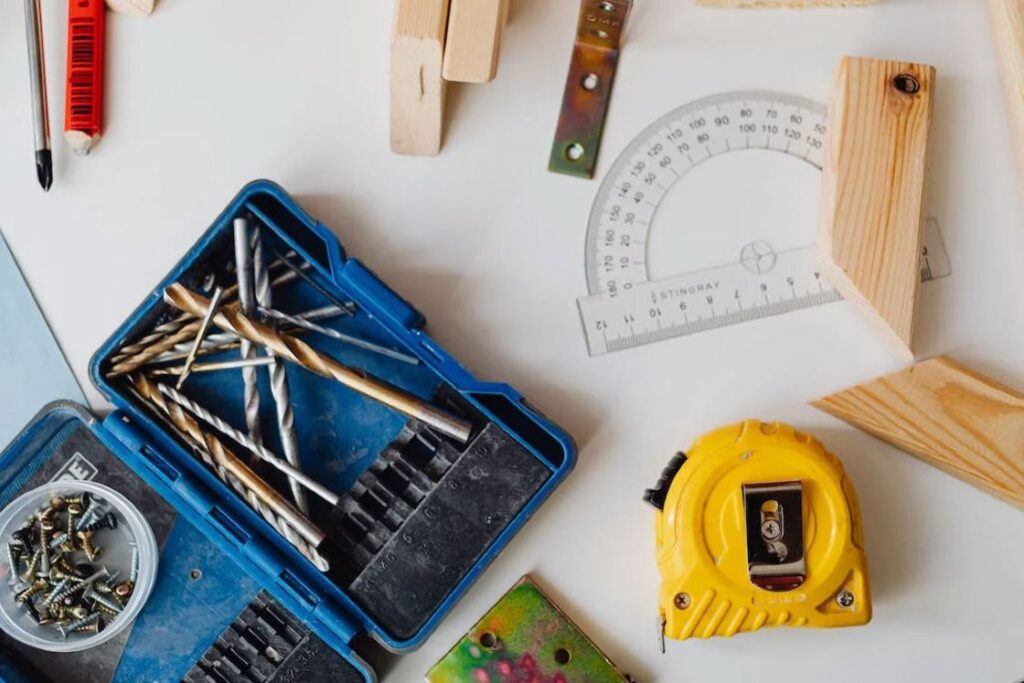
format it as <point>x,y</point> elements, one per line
<point>907,84</point>
<point>74,509</point>
<point>58,503</point>
<point>682,600</point>
<point>845,599</point>
<point>124,589</point>
<point>771,530</point>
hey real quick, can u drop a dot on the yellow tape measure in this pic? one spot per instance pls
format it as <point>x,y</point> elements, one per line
<point>757,525</point>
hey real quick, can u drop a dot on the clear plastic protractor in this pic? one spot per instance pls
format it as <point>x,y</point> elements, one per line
<point>627,203</point>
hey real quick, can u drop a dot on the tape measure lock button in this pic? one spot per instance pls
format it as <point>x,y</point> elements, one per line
<point>757,525</point>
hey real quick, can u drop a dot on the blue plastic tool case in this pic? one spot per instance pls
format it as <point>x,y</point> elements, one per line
<point>220,561</point>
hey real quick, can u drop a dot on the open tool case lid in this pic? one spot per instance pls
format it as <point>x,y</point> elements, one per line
<point>479,494</point>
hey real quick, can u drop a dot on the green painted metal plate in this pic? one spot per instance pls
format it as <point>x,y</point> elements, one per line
<point>525,638</point>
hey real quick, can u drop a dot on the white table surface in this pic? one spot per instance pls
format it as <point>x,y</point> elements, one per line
<point>205,96</point>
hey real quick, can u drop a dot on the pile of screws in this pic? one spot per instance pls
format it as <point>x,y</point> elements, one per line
<point>53,571</point>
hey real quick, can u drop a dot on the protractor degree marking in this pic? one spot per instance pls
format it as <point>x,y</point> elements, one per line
<point>670,136</point>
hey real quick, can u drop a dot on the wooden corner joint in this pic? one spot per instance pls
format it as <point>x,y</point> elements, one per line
<point>873,187</point>
<point>947,415</point>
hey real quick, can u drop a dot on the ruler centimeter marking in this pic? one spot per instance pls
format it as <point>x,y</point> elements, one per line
<point>625,307</point>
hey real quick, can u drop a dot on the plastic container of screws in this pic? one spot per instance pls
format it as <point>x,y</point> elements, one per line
<point>101,580</point>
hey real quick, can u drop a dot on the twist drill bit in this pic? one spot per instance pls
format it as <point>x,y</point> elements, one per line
<point>297,351</point>
<point>211,367</point>
<point>137,360</point>
<point>279,380</point>
<point>247,301</point>
<point>175,324</point>
<point>230,462</point>
<point>266,310</point>
<point>276,523</point>
<point>239,437</point>
<point>226,340</point>
<point>204,325</point>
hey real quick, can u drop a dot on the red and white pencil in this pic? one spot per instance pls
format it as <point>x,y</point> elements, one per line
<point>83,112</point>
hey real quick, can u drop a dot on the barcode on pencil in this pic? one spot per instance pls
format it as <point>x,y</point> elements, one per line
<point>82,76</point>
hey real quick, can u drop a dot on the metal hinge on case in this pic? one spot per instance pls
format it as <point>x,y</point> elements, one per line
<point>775,535</point>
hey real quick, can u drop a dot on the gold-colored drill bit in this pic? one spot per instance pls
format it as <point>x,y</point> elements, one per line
<point>223,457</point>
<point>299,352</point>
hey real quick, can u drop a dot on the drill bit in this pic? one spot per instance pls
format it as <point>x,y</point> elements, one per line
<point>218,294</point>
<point>223,457</point>
<point>137,360</point>
<point>172,326</point>
<point>211,367</point>
<point>299,352</point>
<point>279,380</point>
<point>171,412</point>
<point>247,301</point>
<point>269,312</point>
<point>242,439</point>
<point>226,340</point>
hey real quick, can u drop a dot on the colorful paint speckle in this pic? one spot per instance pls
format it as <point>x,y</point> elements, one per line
<point>525,638</point>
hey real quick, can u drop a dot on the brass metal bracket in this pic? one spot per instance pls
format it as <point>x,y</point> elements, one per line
<point>588,87</point>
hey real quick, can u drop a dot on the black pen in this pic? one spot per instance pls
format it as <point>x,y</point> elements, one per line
<point>37,77</point>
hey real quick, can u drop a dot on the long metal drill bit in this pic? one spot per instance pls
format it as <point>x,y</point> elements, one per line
<point>308,279</point>
<point>247,301</point>
<point>224,341</point>
<point>137,360</point>
<point>277,523</point>
<point>229,461</point>
<point>173,325</point>
<point>269,312</point>
<point>299,352</point>
<point>218,294</point>
<point>242,439</point>
<point>279,379</point>
<point>259,361</point>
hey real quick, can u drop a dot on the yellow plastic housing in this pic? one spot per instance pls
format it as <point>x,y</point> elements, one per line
<point>702,543</point>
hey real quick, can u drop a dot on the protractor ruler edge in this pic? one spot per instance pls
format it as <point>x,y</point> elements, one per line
<point>626,307</point>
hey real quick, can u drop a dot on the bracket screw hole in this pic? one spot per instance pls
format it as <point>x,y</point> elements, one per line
<point>603,35</point>
<point>590,82</point>
<point>606,6</point>
<point>488,640</point>
<point>574,151</point>
<point>195,574</point>
<point>562,656</point>
<point>907,84</point>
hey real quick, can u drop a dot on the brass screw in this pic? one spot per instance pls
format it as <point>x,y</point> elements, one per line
<point>33,562</point>
<point>91,551</point>
<point>124,590</point>
<point>58,503</point>
<point>37,586</point>
<point>682,600</point>
<point>74,511</point>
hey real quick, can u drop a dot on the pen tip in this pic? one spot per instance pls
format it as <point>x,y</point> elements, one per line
<point>44,168</point>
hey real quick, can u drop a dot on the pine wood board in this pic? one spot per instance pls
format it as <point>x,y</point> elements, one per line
<point>873,186</point>
<point>1007,17</point>
<point>139,8</point>
<point>473,43</point>
<point>417,88</point>
<point>948,416</point>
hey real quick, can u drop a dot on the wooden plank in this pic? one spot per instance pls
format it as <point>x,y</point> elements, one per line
<point>474,40</point>
<point>1008,34</point>
<point>872,204</point>
<point>785,3</point>
<point>417,89</point>
<point>139,8</point>
<point>947,415</point>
